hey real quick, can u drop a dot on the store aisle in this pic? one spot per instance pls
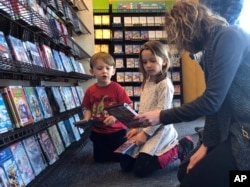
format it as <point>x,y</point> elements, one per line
<point>83,172</point>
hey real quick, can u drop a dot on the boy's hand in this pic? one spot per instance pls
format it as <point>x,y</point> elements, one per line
<point>110,120</point>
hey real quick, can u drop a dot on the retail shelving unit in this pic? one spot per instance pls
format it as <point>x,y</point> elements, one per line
<point>127,28</point>
<point>18,18</point>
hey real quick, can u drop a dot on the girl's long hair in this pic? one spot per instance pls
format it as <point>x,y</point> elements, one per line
<point>158,49</point>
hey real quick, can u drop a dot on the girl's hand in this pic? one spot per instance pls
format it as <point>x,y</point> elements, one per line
<point>148,118</point>
<point>131,133</point>
<point>196,157</point>
<point>110,120</point>
<point>141,138</point>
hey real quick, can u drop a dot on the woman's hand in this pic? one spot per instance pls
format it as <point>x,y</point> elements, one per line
<point>148,118</point>
<point>196,157</point>
<point>110,120</point>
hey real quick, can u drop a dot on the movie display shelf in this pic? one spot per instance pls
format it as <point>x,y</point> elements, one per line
<point>123,35</point>
<point>40,30</point>
<point>26,131</point>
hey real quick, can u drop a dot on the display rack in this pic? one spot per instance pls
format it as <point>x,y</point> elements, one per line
<point>129,29</point>
<point>27,24</point>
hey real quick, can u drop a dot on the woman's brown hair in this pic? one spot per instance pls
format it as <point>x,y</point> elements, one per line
<point>188,24</point>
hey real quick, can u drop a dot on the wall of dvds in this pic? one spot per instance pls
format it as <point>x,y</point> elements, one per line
<point>40,96</point>
<point>122,29</point>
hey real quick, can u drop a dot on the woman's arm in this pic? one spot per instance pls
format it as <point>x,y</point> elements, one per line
<point>222,70</point>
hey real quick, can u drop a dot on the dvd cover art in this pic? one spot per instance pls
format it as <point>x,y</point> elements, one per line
<point>125,147</point>
<point>34,54</point>
<point>33,102</point>
<point>44,101</point>
<point>57,60</point>
<point>49,57</point>
<point>58,97</point>
<point>48,147</point>
<point>75,96</point>
<point>4,48</point>
<point>119,63</point>
<point>18,49</point>
<point>67,97</point>
<point>77,118</point>
<point>72,130</point>
<point>80,92</point>
<point>35,154</point>
<point>66,62</point>
<point>4,182</point>
<point>7,162</point>
<point>23,162</point>
<point>64,133</point>
<point>52,100</point>
<point>5,121</point>
<point>118,35</point>
<point>124,113</point>
<point>10,107</point>
<point>75,130</point>
<point>56,139</point>
<point>21,104</point>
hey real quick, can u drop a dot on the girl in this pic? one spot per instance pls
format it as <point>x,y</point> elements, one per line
<point>156,146</point>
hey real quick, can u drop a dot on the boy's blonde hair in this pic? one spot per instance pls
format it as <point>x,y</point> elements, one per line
<point>106,57</point>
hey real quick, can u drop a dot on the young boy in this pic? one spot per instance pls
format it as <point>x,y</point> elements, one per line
<point>111,133</point>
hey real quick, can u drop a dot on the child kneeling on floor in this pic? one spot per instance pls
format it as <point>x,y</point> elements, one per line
<point>157,146</point>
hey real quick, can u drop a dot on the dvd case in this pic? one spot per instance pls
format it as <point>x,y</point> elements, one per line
<point>77,118</point>
<point>5,121</point>
<point>33,103</point>
<point>33,53</point>
<point>20,104</point>
<point>59,99</point>
<point>48,147</point>
<point>87,123</point>
<point>35,155</point>
<point>23,163</point>
<point>64,134</point>
<point>56,139</point>
<point>18,50</point>
<point>44,101</point>
<point>9,165</point>
<point>125,147</point>
<point>4,48</point>
<point>125,114</point>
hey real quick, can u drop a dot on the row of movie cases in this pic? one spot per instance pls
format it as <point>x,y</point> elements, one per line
<point>137,77</point>
<point>39,55</point>
<point>22,106</point>
<point>130,20</point>
<point>130,35</point>
<point>23,161</point>
<point>135,91</point>
<point>40,15</point>
<point>136,104</point>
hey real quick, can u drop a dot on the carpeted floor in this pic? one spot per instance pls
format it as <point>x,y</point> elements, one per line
<point>83,172</point>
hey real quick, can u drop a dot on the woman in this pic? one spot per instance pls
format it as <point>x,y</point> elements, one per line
<point>226,100</point>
